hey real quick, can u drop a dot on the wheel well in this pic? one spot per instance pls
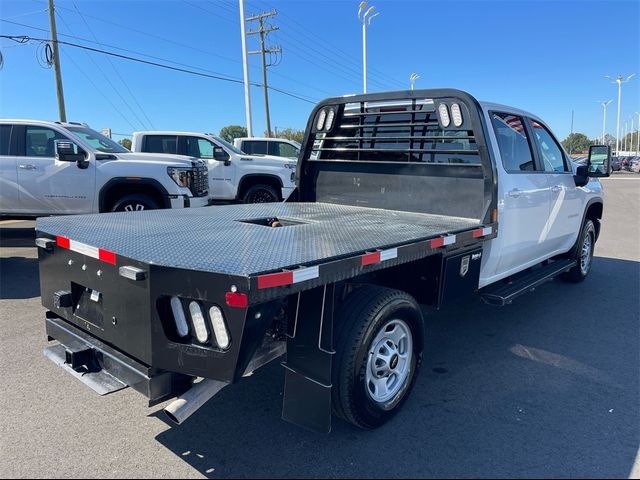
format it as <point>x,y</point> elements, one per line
<point>118,190</point>
<point>250,180</point>
<point>594,213</point>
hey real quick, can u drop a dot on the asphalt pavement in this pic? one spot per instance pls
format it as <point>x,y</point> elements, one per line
<point>546,387</point>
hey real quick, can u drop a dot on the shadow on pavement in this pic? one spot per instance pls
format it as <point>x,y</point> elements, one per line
<point>17,237</point>
<point>546,387</point>
<point>19,278</point>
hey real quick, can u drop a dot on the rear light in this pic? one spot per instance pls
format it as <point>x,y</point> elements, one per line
<point>321,118</point>
<point>219,328</point>
<point>330,117</point>
<point>456,113</point>
<point>178,316</point>
<point>443,111</point>
<point>199,325</point>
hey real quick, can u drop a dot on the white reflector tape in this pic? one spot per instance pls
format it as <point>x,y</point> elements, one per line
<point>84,249</point>
<point>304,274</point>
<point>449,239</point>
<point>388,254</point>
<point>487,231</point>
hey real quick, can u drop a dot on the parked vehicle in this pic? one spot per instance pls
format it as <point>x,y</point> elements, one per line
<point>616,165</point>
<point>233,174</point>
<point>404,198</point>
<point>280,147</point>
<point>49,168</point>
<point>635,164</point>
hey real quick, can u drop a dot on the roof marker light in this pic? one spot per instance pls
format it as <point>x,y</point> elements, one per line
<point>443,110</point>
<point>456,113</point>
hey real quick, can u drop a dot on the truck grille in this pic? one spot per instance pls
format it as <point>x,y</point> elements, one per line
<point>200,184</point>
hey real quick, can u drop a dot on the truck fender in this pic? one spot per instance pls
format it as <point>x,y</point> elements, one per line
<point>117,181</point>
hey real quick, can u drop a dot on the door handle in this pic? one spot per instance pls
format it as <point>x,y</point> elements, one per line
<point>556,189</point>
<point>28,167</point>
<point>515,193</point>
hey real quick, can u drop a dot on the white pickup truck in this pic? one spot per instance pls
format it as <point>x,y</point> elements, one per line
<point>233,174</point>
<point>404,198</point>
<point>51,168</point>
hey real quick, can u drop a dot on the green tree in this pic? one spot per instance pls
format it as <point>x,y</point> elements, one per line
<point>291,134</point>
<point>576,142</point>
<point>126,143</point>
<point>231,132</point>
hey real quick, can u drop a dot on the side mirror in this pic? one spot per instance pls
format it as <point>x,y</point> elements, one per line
<point>221,155</point>
<point>582,175</point>
<point>599,161</point>
<point>66,152</point>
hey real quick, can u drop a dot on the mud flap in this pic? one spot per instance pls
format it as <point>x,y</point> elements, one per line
<point>307,391</point>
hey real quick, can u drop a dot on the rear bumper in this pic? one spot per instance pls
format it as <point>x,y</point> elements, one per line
<point>106,369</point>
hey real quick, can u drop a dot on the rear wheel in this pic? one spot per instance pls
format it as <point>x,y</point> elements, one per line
<point>261,193</point>
<point>379,338</point>
<point>582,252</point>
<point>134,203</point>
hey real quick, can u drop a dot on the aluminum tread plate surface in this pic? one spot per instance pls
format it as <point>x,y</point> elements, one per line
<point>213,239</point>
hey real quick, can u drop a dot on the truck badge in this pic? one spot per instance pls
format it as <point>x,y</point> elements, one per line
<point>464,266</point>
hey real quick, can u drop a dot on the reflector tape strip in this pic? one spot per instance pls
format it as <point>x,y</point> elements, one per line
<point>388,254</point>
<point>88,250</point>
<point>442,241</point>
<point>379,256</point>
<point>304,274</point>
<point>288,278</point>
<point>482,232</point>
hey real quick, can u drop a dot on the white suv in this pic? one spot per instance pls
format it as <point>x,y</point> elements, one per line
<point>49,168</point>
<point>233,174</point>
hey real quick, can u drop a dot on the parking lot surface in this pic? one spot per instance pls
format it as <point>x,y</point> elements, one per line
<point>546,387</point>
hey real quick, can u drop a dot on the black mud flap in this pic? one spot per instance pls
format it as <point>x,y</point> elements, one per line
<point>307,391</point>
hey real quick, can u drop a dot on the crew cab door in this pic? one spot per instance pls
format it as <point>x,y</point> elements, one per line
<point>47,185</point>
<point>222,171</point>
<point>524,195</point>
<point>9,188</point>
<point>565,205</point>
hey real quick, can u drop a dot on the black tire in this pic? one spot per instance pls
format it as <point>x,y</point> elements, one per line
<point>583,266</point>
<point>359,321</point>
<point>134,202</point>
<point>261,193</point>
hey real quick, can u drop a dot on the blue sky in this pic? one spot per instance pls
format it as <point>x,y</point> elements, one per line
<point>548,57</point>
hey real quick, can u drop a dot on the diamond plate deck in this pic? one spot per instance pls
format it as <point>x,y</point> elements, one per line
<point>214,239</point>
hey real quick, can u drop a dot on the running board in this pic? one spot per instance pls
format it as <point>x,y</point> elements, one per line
<point>503,294</point>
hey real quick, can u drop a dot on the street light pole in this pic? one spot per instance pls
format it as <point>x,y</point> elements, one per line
<point>624,137</point>
<point>604,118</point>
<point>638,134</point>
<point>413,78</point>
<point>245,72</point>
<point>619,80</point>
<point>365,15</point>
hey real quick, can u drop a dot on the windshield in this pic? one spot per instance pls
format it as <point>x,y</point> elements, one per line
<point>97,141</point>
<point>227,145</point>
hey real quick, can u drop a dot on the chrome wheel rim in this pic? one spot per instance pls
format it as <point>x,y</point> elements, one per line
<point>389,362</point>
<point>133,207</point>
<point>585,255</point>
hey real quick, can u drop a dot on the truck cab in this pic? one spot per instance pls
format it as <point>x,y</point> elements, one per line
<point>233,174</point>
<point>280,147</point>
<point>92,174</point>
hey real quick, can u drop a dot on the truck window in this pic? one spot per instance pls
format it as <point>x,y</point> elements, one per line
<point>513,143</point>
<point>40,141</point>
<point>254,147</point>
<point>550,151</point>
<point>160,144</point>
<point>199,147</point>
<point>282,149</point>
<point>97,140</point>
<point>5,135</point>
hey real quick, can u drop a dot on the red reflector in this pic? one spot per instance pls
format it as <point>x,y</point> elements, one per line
<point>63,242</point>
<point>437,242</point>
<point>478,233</point>
<point>275,280</point>
<point>370,258</point>
<point>107,256</point>
<point>239,300</point>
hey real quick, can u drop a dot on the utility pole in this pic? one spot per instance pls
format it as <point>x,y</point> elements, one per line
<point>262,31</point>
<point>56,62</point>
<point>245,72</point>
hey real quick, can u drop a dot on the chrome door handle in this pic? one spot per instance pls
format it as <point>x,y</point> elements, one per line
<point>556,188</point>
<point>28,167</point>
<point>515,193</point>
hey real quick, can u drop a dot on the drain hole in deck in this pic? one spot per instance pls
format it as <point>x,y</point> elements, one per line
<point>273,222</point>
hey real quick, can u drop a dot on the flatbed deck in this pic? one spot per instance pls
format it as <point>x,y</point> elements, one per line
<point>220,240</point>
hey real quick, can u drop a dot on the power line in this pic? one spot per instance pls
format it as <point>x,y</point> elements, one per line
<point>156,64</point>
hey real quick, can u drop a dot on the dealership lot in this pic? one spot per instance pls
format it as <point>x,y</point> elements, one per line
<point>545,387</point>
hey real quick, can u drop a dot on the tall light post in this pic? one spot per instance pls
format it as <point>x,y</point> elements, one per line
<point>638,134</point>
<point>604,118</point>
<point>245,71</point>
<point>619,80</point>
<point>624,137</point>
<point>365,15</point>
<point>413,78</point>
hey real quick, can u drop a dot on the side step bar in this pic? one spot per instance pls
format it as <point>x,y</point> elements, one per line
<point>503,294</point>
